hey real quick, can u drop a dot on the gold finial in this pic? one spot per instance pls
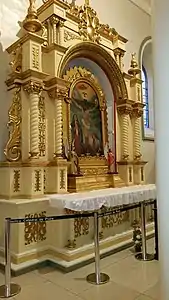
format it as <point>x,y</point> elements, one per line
<point>134,69</point>
<point>31,22</point>
<point>87,2</point>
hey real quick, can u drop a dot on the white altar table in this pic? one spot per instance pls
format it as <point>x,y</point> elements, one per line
<point>111,197</point>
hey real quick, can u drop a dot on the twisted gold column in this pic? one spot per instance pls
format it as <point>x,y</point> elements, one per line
<point>124,135</point>
<point>34,90</point>
<point>136,138</point>
<point>58,126</point>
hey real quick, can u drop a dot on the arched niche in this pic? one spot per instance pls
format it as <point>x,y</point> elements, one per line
<point>103,59</point>
<point>103,65</point>
<point>105,85</point>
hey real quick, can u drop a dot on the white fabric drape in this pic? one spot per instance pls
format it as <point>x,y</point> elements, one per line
<point>111,197</point>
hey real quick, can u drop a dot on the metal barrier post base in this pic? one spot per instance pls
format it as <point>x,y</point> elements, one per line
<point>14,290</point>
<point>148,257</point>
<point>104,278</point>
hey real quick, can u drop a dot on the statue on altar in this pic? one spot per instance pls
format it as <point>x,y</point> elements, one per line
<point>75,168</point>
<point>110,160</point>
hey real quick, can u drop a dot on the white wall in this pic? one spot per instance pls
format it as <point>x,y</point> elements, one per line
<point>127,18</point>
<point>148,143</point>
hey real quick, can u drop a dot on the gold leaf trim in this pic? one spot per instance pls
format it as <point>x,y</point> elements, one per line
<point>12,150</point>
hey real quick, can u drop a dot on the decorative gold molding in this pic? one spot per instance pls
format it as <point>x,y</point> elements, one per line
<point>62,179</point>
<point>89,24</point>
<point>37,181</point>
<point>59,93</point>
<point>137,110</point>
<point>68,36</point>
<point>35,231</point>
<point>124,109</point>
<point>33,87</point>
<point>35,57</point>
<point>81,226</point>
<point>114,220</point>
<point>90,27</point>
<point>104,60</point>
<point>16,180</point>
<point>12,150</point>
<point>42,127</point>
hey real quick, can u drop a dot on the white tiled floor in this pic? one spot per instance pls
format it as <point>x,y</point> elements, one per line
<point>130,280</point>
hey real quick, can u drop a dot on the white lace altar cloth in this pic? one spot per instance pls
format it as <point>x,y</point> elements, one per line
<point>112,197</point>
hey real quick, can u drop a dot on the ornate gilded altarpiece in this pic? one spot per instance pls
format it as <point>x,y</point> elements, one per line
<point>58,134</point>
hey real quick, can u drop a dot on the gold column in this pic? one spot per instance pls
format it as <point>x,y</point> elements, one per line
<point>124,111</point>
<point>58,95</point>
<point>61,31</point>
<point>54,21</point>
<point>119,54</point>
<point>58,124</point>
<point>136,137</point>
<point>34,90</point>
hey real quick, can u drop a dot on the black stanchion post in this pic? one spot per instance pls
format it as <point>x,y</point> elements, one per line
<point>8,289</point>
<point>97,277</point>
<point>144,255</point>
<point>156,230</point>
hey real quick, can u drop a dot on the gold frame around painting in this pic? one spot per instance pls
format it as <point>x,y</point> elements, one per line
<point>76,75</point>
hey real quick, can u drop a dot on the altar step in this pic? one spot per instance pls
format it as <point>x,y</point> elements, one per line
<point>93,182</point>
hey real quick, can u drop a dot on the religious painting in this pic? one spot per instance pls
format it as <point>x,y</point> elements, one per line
<point>86,124</point>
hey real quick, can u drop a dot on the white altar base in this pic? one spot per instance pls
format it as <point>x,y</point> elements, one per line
<point>54,247</point>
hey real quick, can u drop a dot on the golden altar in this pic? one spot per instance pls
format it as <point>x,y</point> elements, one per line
<point>71,101</point>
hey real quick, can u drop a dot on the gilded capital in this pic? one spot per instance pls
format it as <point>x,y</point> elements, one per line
<point>137,113</point>
<point>59,93</point>
<point>33,87</point>
<point>54,20</point>
<point>124,109</point>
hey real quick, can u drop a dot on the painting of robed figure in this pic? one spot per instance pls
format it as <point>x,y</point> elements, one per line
<point>86,124</point>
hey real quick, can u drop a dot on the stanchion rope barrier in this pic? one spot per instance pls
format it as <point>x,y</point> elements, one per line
<point>10,289</point>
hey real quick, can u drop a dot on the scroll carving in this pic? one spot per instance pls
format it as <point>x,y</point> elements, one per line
<point>89,24</point>
<point>16,63</point>
<point>68,36</point>
<point>12,150</point>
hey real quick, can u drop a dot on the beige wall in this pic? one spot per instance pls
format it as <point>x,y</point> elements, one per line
<point>126,17</point>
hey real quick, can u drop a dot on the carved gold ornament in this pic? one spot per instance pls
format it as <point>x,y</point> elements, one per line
<point>114,219</point>
<point>42,127</point>
<point>35,231</point>
<point>68,36</point>
<point>62,179</point>
<point>81,226</point>
<point>35,57</point>
<point>16,180</point>
<point>37,181</point>
<point>82,73</point>
<point>89,24</point>
<point>12,150</point>
<point>16,63</point>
